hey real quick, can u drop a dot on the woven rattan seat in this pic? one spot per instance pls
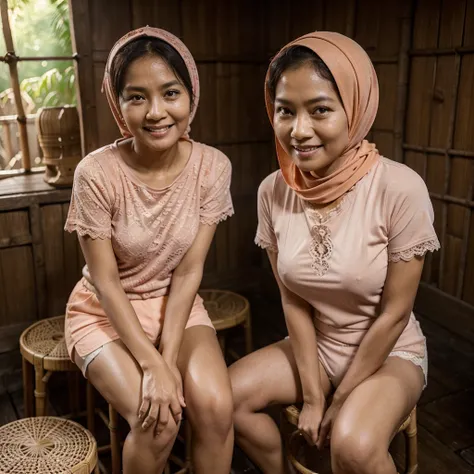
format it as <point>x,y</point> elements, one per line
<point>44,341</point>
<point>43,347</point>
<point>47,445</point>
<point>227,310</point>
<point>408,428</point>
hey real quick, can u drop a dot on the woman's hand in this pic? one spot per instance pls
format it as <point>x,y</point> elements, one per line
<point>161,393</point>
<point>328,421</point>
<point>179,380</point>
<point>310,419</point>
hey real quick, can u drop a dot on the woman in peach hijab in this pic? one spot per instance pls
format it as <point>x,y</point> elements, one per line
<point>146,208</point>
<point>346,231</point>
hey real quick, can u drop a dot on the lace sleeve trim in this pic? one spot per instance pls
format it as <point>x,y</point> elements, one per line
<point>217,219</point>
<point>265,244</point>
<point>418,250</point>
<point>82,231</point>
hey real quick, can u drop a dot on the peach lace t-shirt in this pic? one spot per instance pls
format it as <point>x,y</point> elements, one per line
<point>338,262</point>
<point>150,229</point>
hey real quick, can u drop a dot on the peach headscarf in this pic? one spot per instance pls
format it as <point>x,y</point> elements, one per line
<point>169,38</point>
<point>357,83</point>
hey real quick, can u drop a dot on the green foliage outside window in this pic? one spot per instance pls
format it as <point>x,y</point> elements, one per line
<point>40,28</point>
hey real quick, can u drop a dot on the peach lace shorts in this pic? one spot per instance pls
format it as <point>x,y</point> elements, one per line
<point>87,328</point>
<point>336,356</point>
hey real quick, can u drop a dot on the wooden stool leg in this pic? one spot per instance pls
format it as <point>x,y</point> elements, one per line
<point>90,408</point>
<point>248,334</point>
<point>411,441</point>
<point>187,440</point>
<point>28,388</point>
<point>40,389</point>
<point>114,440</point>
<point>222,342</point>
<point>73,385</point>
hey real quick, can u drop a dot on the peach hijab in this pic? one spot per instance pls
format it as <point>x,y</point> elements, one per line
<point>169,38</point>
<point>358,86</point>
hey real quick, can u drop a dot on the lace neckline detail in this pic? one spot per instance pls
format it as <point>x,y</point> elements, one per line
<point>321,246</point>
<point>137,181</point>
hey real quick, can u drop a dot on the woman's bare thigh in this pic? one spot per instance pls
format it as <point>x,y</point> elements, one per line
<point>117,376</point>
<point>270,376</point>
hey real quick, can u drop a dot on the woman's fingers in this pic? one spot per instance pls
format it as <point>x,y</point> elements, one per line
<point>152,416</point>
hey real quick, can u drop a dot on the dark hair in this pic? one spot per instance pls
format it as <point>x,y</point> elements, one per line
<point>148,46</point>
<point>293,58</point>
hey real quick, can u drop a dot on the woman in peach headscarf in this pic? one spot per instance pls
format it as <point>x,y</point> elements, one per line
<point>146,208</point>
<point>346,231</point>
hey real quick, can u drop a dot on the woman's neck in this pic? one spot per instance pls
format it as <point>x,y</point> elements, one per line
<point>143,159</point>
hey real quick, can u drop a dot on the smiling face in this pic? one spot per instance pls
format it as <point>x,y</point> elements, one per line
<point>154,104</point>
<point>309,120</point>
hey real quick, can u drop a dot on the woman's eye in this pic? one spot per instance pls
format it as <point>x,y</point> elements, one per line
<point>321,110</point>
<point>172,93</point>
<point>136,98</point>
<point>283,111</point>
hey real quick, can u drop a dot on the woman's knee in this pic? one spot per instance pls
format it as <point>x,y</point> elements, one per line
<point>246,397</point>
<point>356,449</point>
<point>150,439</point>
<point>210,411</point>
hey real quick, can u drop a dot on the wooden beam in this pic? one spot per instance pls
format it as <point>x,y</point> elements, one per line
<point>12,60</point>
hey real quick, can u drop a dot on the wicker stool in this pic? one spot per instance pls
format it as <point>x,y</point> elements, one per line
<point>228,310</point>
<point>47,445</point>
<point>43,348</point>
<point>408,428</point>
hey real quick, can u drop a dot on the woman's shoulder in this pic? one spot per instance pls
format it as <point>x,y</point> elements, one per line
<point>398,182</point>
<point>274,188</point>
<point>398,176</point>
<point>99,163</point>
<point>212,157</point>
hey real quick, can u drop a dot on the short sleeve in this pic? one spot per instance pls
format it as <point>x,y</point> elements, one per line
<point>216,204</point>
<point>90,211</point>
<point>265,236</point>
<point>411,232</point>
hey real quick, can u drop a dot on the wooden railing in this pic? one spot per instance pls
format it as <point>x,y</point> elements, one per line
<point>10,149</point>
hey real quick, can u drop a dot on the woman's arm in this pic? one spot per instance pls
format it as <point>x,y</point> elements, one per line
<point>102,265</point>
<point>398,298</point>
<point>303,340</point>
<point>184,285</point>
<point>160,392</point>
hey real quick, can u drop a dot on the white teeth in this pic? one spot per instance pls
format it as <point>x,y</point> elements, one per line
<point>306,149</point>
<point>161,129</point>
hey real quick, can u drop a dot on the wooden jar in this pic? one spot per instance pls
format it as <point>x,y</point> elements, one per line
<point>59,138</point>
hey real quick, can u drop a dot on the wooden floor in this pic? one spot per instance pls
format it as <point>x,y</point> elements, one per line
<point>445,411</point>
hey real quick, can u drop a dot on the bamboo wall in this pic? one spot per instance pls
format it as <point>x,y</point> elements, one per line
<point>424,55</point>
<point>423,51</point>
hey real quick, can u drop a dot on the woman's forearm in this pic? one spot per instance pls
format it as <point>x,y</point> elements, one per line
<point>305,347</point>
<point>372,352</point>
<point>124,320</point>
<point>178,308</point>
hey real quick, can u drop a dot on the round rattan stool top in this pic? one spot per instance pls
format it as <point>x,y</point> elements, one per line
<point>226,308</point>
<point>45,340</point>
<point>46,445</point>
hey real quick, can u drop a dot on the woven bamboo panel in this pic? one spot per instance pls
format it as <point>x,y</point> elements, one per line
<point>438,135</point>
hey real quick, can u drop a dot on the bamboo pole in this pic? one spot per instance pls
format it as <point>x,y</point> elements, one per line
<point>40,58</point>
<point>452,121</point>
<point>439,151</point>
<point>12,60</point>
<point>351,18</point>
<point>402,88</point>
<point>441,51</point>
